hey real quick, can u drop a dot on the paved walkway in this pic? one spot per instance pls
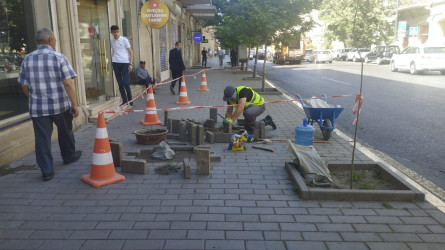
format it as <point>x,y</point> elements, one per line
<point>247,202</point>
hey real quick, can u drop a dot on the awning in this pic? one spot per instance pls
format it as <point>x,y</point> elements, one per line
<point>201,11</point>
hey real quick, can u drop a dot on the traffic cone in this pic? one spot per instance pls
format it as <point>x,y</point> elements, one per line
<point>102,169</point>
<point>183,99</point>
<point>203,82</point>
<point>151,116</point>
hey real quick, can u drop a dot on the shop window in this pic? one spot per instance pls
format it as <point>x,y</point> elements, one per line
<point>13,49</point>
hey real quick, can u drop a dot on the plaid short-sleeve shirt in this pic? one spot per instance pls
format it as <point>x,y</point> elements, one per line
<point>44,71</point>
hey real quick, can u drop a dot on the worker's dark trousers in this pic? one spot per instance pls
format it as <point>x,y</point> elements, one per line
<point>250,114</point>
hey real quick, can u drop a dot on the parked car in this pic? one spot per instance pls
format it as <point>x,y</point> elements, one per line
<point>320,56</point>
<point>355,54</point>
<point>343,54</point>
<point>335,53</point>
<point>417,59</point>
<point>382,54</point>
<point>307,54</point>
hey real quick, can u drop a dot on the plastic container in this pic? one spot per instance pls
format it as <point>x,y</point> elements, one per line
<point>304,134</point>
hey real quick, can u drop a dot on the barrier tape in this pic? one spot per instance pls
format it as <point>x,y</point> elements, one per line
<point>217,106</point>
<point>166,82</point>
<point>358,99</point>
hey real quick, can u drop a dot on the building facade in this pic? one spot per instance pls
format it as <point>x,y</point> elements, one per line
<point>81,28</point>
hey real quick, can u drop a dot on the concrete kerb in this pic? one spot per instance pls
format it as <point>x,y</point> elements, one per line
<point>430,197</point>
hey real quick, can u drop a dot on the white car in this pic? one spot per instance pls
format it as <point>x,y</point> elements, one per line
<point>360,53</point>
<point>320,56</point>
<point>417,59</point>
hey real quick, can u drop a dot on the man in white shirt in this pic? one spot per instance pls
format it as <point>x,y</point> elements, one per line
<point>122,58</point>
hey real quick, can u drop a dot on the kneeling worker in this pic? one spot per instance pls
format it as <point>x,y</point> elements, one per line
<point>250,104</point>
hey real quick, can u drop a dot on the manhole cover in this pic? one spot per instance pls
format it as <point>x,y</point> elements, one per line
<point>166,170</point>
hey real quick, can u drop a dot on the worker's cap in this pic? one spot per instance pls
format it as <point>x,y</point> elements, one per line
<point>142,62</point>
<point>229,91</point>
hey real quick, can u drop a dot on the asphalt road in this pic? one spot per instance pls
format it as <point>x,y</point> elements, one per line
<point>402,114</point>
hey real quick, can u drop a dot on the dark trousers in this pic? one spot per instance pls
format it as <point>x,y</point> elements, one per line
<point>145,82</point>
<point>250,114</point>
<point>176,74</point>
<point>204,62</point>
<point>123,80</point>
<point>233,61</point>
<point>43,128</point>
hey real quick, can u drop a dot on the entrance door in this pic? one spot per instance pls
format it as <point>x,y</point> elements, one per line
<point>95,47</point>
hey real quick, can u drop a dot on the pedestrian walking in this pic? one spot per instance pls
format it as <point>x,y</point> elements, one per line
<point>248,103</point>
<point>122,58</point>
<point>143,77</point>
<point>46,78</point>
<point>176,66</point>
<point>204,54</point>
<point>221,54</point>
<point>233,57</point>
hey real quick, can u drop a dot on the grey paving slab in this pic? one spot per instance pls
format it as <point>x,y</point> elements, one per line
<point>103,244</point>
<point>143,244</point>
<point>224,244</point>
<point>21,244</point>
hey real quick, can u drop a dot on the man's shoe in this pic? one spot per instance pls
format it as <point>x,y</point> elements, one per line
<point>172,90</point>
<point>132,104</point>
<point>270,122</point>
<point>77,155</point>
<point>48,176</point>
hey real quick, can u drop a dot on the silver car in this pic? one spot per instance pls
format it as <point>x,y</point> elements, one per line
<point>321,56</point>
<point>418,59</point>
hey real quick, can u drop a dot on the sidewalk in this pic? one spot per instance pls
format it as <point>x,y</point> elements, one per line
<point>247,202</point>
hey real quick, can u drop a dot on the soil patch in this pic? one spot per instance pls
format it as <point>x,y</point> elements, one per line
<point>179,156</point>
<point>363,179</point>
<point>167,169</point>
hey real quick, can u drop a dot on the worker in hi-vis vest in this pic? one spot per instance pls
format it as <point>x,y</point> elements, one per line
<point>247,102</point>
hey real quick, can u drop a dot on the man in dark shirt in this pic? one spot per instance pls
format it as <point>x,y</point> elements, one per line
<point>247,102</point>
<point>143,77</point>
<point>204,57</point>
<point>176,66</point>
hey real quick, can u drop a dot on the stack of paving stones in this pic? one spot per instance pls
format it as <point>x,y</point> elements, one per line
<point>246,202</point>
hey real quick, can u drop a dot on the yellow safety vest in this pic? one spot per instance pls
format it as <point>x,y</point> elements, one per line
<point>257,100</point>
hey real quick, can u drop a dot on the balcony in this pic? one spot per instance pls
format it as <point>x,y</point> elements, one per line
<point>412,4</point>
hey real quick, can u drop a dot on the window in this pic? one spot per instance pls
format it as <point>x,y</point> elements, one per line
<point>13,49</point>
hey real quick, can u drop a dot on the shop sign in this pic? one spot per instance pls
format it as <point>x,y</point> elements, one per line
<point>197,37</point>
<point>155,14</point>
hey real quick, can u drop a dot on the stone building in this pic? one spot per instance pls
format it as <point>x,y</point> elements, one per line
<point>82,32</point>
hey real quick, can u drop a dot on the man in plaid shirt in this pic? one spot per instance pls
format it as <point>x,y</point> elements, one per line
<point>46,78</point>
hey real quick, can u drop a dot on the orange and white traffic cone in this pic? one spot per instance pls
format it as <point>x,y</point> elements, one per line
<point>102,169</point>
<point>203,82</point>
<point>151,116</point>
<point>183,99</point>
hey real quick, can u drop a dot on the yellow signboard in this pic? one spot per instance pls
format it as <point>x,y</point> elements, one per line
<point>155,14</point>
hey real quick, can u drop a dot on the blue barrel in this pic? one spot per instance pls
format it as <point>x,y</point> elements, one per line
<point>304,134</point>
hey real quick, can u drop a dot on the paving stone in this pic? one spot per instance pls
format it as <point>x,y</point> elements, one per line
<point>346,245</point>
<point>365,237</point>
<point>378,228</point>
<point>143,244</point>
<point>103,244</point>
<point>433,238</point>
<point>313,236</point>
<point>439,229</point>
<point>136,166</point>
<point>151,225</point>
<point>429,246</point>
<point>184,244</point>
<point>244,235</point>
<point>207,217</point>
<point>50,234</point>
<point>242,218</point>
<point>225,210</point>
<point>203,161</point>
<point>305,245</point>
<point>262,226</point>
<point>128,234</point>
<point>282,235</point>
<point>21,244</point>
<point>167,234</point>
<point>335,227</point>
<point>260,245</point>
<point>383,219</point>
<point>206,234</point>
<point>307,227</point>
<point>409,228</point>
<point>386,245</point>
<point>57,244</point>
<point>224,225</point>
<point>400,237</point>
<point>312,218</point>
<point>115,225</point>
<point>224,244</point>
<point>188,225</point>
<point>116,152</point>
<point>277,218</point>
<point>347,219</point>
<point>418,220</point>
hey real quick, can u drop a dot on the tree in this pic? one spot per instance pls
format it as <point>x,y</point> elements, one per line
<point>255,22</point>
<point>358,23</point>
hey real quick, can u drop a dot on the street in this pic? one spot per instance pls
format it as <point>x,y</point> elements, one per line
<point>401,114</point>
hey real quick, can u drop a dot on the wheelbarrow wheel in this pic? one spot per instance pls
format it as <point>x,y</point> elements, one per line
<point>327,132</point>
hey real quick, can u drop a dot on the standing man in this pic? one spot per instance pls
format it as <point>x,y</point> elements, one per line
<point>122,58</point>
<point>143,77</point>
<point>221,54</point>
<point>233,57</point>
<point>249,103</point>
<point>176,66</point>
<point>204,57</point>
<point>46,78</point>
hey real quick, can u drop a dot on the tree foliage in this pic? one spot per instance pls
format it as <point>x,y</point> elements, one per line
<point>358,23</point>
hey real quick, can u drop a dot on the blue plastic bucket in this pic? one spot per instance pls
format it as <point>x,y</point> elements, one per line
<point>304,134</point>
